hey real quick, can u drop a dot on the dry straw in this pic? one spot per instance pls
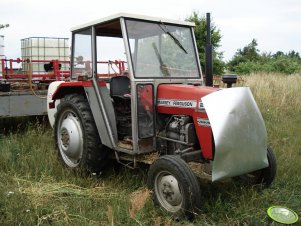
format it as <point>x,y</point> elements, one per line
<point>41,192</point>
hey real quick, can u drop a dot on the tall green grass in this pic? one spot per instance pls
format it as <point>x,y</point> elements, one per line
<point>35,189</point>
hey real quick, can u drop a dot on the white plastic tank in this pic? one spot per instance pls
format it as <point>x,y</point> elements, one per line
<point>1,46</point>
<point>1,52</point>
<point>45,48</point>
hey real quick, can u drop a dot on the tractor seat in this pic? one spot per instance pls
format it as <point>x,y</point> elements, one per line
<point>120,87</point>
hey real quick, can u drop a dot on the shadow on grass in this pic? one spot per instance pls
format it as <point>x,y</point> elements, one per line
<point>21,124</point>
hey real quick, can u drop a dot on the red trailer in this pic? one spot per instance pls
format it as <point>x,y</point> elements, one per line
<point>23,91</point>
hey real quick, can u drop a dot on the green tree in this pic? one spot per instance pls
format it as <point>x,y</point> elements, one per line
<point>294,54</point>
<point>278,54</point>
<point>3,26</point>
<point>248,60</point>
<point>200,36</point>
<point>249,53</point>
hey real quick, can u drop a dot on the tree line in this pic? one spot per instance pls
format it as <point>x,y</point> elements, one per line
<point>247,59</point>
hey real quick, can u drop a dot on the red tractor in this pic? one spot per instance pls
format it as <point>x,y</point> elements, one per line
<point>150,105</point>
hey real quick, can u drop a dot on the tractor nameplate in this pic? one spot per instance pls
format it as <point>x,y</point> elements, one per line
<point>177,103</point>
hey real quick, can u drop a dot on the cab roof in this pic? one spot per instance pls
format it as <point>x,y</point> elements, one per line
<point>116,17</point>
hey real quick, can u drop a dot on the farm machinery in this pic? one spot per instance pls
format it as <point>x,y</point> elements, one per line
<point>23,91</point>
<point>157,111</point>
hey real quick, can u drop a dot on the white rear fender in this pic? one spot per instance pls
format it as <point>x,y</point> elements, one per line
<point>51,111</point>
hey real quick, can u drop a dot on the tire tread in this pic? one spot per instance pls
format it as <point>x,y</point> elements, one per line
<point>95,154</point>
<point>186,174</point>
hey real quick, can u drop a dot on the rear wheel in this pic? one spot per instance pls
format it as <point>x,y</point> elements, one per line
<point>174,185</point>
<point>78,143</point>
<point>263,176</point>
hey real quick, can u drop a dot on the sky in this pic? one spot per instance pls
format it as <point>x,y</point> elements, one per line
<point>275,24</point>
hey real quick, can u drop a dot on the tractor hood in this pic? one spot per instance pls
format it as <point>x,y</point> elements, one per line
<point>239,132</point>
<point>180,99</point>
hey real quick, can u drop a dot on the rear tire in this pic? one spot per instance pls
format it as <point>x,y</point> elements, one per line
<point>77,139</point>
<point>175,187</point>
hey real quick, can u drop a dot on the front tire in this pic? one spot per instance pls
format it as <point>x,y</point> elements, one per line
<point>77,140</point>
<point>263,176</point>
<point>175,187</point>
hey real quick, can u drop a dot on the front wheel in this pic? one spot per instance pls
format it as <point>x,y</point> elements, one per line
<point>175,187</point>
<point>263,176</point>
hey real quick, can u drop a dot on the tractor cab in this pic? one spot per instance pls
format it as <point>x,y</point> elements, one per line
<point>133,55</point>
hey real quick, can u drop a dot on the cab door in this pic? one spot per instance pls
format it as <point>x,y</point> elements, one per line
<point>145,117</point>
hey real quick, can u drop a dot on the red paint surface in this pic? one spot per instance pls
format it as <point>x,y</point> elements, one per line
<point>189,93</point>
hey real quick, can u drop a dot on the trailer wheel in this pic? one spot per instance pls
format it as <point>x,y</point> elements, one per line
<point>78,143</point>
<point>263,176</point>
<point>174,186</point>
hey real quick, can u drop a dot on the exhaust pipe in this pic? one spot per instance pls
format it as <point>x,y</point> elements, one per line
<point>208,54</point>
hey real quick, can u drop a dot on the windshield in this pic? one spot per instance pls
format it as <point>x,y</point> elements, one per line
<point>162,50</point>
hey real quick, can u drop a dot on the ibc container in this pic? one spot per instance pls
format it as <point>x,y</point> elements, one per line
<point>45,48</point>
<point>1,52</point>
<point>1,46</point>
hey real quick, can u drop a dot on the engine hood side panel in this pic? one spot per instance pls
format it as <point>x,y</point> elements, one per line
<point>180,99</point>
<point>239,132</point>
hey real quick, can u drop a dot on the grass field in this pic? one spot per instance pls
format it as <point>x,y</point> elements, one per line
<point>36,190</point>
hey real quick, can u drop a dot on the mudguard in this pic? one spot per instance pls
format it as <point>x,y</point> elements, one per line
<point>239,132</point>
<point>51,111</point>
